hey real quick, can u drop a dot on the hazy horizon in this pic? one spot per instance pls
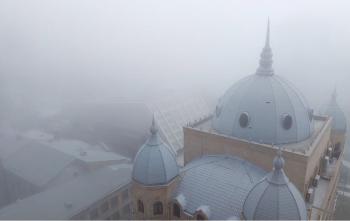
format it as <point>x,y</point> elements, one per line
<point>54,52</point>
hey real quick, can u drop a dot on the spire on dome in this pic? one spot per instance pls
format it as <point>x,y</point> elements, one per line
<point>334,94</point>
<point>153,128</point>
<point>267,42</point>
<point>278,161</point>
<point>266,56</point>
<point>277,175</point>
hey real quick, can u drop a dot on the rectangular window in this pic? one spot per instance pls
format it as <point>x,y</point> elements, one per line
<point>104,207</point>
<point>93,214</point>
<point>126,209</point>
<point>115,215</point>
<point>125,194</point>
<point>114,201</point>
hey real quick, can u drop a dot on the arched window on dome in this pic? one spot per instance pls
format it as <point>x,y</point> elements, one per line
<point>176,208</point>
<point>200,217</point>
<point>157,208</point>
<point>140,206</point>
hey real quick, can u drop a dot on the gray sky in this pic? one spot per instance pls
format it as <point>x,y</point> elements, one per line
<point>79,50</point>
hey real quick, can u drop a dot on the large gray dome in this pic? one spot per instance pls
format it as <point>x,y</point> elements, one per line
<point>274,197</point>
<point>155,162</point>
<point>333,110</point>
<point>264,107</point>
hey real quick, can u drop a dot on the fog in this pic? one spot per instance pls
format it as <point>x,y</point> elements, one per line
<point>54,52</point>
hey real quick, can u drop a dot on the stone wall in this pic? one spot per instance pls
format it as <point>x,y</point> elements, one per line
<point>198,143</point>
<point>150,195</point>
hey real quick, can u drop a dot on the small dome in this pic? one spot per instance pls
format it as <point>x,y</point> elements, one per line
<point>333,110</point>
<point>155,162</point>
<point>274,197</point>
<point>264,107</point>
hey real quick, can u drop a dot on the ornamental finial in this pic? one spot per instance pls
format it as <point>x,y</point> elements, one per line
<point>278,161</point>
<point>266,56</point>
<point>153,128</point>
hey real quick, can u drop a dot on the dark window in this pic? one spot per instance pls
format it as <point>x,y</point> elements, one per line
<point>94,214</point>
<point>286,121</point>
<point>125,194</point>
<point>140,206</point>
<point>104,207</point>
<point>336,146</point>
<point>200,217</point>
<point>244,120</point>
<point>157,208</point>
<point>115,216</point>
<point>126,209</point>
<point>114,201</point>
<point>176,210</point>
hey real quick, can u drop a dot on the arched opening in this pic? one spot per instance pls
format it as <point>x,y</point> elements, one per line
<point>200,217</point>
<point>176,208</point>
<point>140,206</point>
<point>157,208</point>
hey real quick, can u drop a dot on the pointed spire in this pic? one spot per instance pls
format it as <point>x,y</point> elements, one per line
<point>153,128</point>
<point>334,94</point>
<point>267,42</point>
<point>266,56</point>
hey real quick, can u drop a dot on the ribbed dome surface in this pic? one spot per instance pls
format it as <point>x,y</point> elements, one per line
<point>274,197</point>
<point>333,110</point>
<point>265,99</point>
<point>155,162</point>
<point>264,107</point>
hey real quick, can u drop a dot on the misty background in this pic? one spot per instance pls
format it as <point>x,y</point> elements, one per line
<point>56,52</point>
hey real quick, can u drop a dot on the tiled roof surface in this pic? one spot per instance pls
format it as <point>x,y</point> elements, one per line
<point>274,202</point>
<point>155,163</point>
<point>37,163</point>
<point>80,192</point>
<point>220,182</point>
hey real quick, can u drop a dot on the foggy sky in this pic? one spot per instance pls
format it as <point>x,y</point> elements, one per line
<point>61,51</point>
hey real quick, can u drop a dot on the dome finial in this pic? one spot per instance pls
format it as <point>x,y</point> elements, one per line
<point>266,56</point>
<point>278,161</point>
<point>153,128</point>
<point>334,94</point>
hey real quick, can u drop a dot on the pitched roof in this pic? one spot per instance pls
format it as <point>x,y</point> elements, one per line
<point>37,163</point>
<point>10,144</point>
<point>80,192</point>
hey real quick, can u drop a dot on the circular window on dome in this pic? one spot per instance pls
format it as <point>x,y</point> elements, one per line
<point>287,121</point>
<point>244,120</point>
